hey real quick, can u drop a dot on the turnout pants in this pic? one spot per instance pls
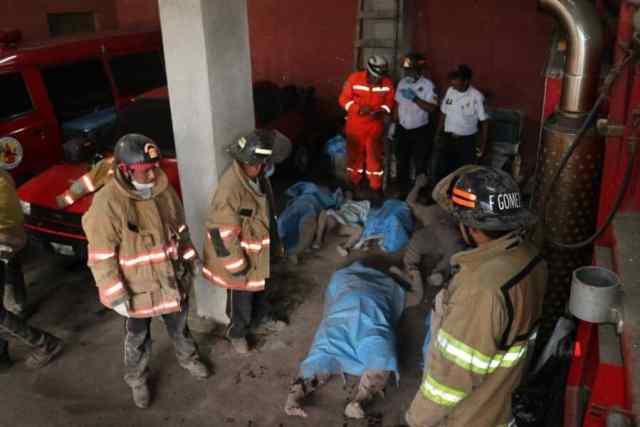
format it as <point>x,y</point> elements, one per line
<point>411,145</point>
<point>365,152</point>
<point>245,308</point>
<point>137,344</point>
<point>452,152</point>
<point>13,327</point>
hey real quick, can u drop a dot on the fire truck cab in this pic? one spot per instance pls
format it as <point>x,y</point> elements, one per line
<point>67,87</point>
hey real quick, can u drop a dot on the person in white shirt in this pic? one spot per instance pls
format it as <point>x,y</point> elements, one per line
<point>463,118</point>
<point>416,97</point>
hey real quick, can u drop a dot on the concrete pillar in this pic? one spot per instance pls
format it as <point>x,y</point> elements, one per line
<point>206,49</point>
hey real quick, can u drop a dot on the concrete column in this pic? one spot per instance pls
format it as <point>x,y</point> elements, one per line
<point>206,49</point>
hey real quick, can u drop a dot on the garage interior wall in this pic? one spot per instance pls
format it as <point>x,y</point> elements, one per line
<point>30,16</point>
<point>137,13</point>
<point>310,43</point>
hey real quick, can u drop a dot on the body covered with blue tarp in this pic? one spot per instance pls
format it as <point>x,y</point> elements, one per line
<point>357,332</point>
<point>307,199</point>
<point>392,224</point>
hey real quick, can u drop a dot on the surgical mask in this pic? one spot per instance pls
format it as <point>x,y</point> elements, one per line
<point>141,187</point>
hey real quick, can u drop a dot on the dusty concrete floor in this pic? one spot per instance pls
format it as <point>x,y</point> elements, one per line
<point>84,387</point>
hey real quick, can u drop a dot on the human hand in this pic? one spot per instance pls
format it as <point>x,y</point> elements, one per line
<point>122,309</point>
<point>364,110</point>
<point>421,180</point>
<point>408,94</point>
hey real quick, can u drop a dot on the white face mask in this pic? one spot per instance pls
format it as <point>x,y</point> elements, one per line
<point>141,187</point>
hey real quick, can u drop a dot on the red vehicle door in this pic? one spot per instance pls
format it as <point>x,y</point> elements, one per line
<point>29,135</point>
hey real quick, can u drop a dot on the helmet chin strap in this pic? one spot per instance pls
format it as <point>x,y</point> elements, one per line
<point>467,231</point>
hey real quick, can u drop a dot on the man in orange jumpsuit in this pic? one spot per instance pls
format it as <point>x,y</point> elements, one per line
<point>367,96</point>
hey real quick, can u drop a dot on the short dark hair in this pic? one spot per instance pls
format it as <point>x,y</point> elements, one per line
<point>463,72</point>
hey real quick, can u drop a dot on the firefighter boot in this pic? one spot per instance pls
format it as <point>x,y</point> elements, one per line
<point>14,299</point>
<point>196,368</point>
<point>240,345</point>
<point>141,395</point>
<point>43,355</point>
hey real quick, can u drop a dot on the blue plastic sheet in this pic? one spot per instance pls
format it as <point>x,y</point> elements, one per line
<point>427,340</point>
<point>392,222</point>
<point>336,146</point>
<point>307,200</point>
<point>357,332</point>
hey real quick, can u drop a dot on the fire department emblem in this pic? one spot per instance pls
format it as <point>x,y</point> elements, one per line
<point>10,153</point>
<point>152,151</point>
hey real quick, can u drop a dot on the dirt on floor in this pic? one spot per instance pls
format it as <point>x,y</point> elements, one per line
<point>84,387</point>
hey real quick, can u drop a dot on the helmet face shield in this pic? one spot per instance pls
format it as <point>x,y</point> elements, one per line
<point>377,66</point>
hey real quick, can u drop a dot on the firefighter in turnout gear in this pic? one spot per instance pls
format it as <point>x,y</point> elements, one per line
<point>488,318</point>
<point>45,347</point>
<point>367,96</point>
<point>142,259</point>
<point>239,227</point>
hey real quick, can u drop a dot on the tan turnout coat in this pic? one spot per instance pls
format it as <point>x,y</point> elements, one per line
<point>236,251</point>
<point>11,218</point>
<point>479,352</point>
<point>139,249</point>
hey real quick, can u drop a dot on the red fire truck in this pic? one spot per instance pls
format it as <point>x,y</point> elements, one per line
<point>150,114</point>
<point>67,87</point>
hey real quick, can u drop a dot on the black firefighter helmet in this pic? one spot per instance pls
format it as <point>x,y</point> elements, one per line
<point>135,151</point>
<point>260,147</point>
<point>483,198</point>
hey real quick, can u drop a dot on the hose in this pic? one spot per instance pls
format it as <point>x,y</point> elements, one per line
<point>610,79</point>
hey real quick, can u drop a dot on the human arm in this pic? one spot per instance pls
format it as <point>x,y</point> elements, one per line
<point>103,229</point>
<point>346,99</point>
<point>483,117</point>
<point>223,226</point>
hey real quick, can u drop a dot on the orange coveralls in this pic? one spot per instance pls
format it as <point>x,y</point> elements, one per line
<point>364,132</point>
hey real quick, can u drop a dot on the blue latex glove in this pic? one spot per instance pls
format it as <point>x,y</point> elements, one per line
<point>408,94</point>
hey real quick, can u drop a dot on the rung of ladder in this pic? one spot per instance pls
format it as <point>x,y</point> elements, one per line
<point>378,15</point>
<point>376,43</point>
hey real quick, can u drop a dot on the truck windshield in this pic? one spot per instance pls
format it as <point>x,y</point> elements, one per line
<point>78,89</point>
<point>138,73</point>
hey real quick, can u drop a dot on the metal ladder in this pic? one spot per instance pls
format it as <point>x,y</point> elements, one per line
<point>381,29</point>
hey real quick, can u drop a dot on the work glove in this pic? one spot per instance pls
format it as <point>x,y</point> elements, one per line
<point>408,94</point>
<point>6,253</point>
<point>122,308</point>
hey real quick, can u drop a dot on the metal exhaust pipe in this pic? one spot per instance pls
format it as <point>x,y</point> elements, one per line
<point>585,42</point>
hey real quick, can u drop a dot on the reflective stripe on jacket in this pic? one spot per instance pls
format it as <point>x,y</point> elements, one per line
<point>139,249</point>
<point>88,183</point>
<point>479,353</point>
<point>237,249</point>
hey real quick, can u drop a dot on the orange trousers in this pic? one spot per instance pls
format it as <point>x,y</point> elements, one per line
<point>365,152</point>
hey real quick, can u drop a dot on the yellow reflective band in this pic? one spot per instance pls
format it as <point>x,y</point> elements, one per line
<point>475,361</point>
<point>441,394</point>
